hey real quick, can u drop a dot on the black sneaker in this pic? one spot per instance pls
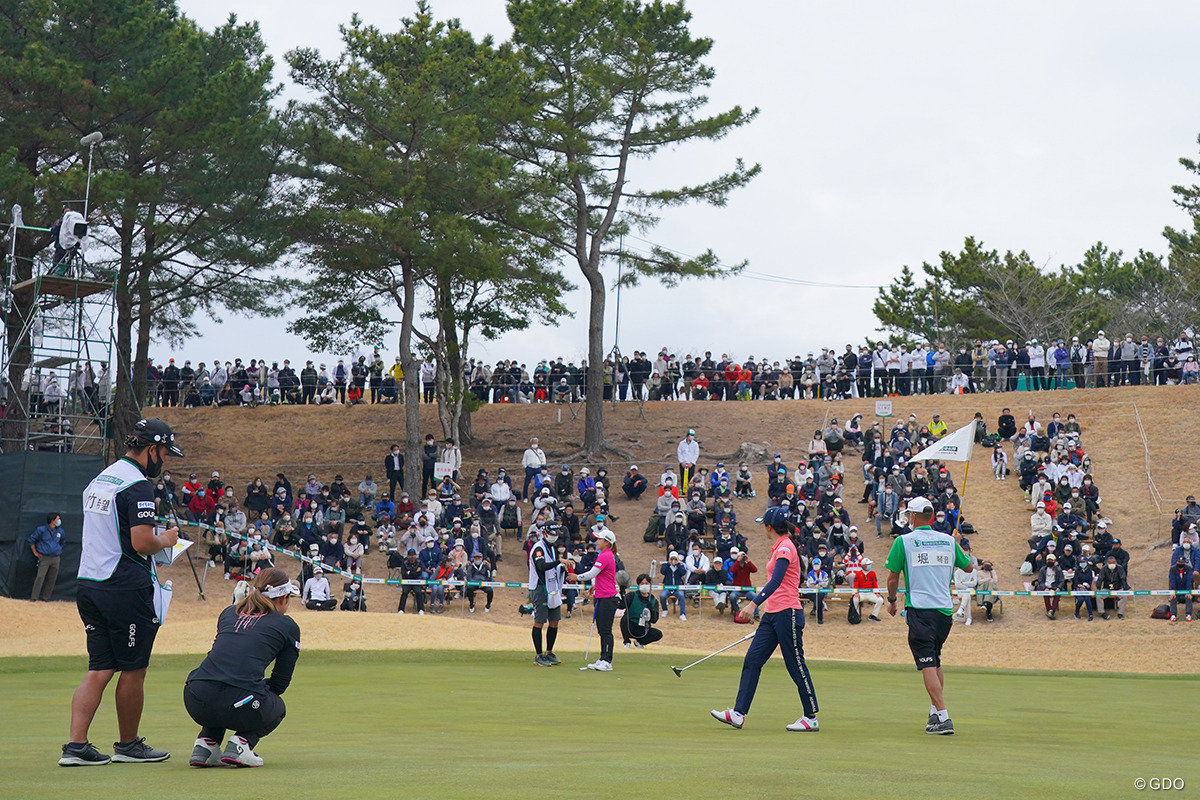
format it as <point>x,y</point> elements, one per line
<point>85,756</point>
<point>939,728</point>
<point>138,752</point>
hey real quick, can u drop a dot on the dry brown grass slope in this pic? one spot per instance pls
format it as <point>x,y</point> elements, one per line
<point>243,443</point>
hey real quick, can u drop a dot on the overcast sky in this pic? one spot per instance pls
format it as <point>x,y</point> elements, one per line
<point>888,132</point>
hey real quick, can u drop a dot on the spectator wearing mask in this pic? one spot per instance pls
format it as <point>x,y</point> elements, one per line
<point>866,587</point>
<point>478,569</point>
<point>635,483</point>
<point>986,585</point>
<point>1112,577</point>
<point>46,544</point>
<point>1182,578</point>
<point>316,592</point>
<point>410,570</point>
<point>533,460</point>
<point>641,612</point>
<point>674,574</point>
<point>1084,579</point>
<point>964,585</point>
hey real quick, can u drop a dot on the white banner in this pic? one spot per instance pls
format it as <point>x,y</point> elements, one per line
<point>951,447</point>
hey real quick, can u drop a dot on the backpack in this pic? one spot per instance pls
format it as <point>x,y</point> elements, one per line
<point>853,616</point>
<point>989,441</point>
<point>966,529</point>
<point>1161,612</point>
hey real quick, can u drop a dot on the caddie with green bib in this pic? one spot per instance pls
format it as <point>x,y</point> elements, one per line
<point>116,594</point>
<point>927,559</point>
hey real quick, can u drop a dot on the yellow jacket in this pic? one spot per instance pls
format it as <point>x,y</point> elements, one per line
<point>937,429</point>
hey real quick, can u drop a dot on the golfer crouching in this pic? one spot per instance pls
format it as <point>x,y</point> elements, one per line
<point>230,690</point>
<point>782,624</point>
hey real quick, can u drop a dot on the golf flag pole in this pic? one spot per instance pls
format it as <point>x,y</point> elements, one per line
<point>956,446</point>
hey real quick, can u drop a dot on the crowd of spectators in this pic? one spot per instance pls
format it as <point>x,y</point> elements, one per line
<point>918,367</point>
<point>456,527</point>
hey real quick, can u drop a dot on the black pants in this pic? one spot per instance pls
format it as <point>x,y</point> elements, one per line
<point>606,611</point>
<point>648,636</point>
<point>211,705</point>
<point>486,590</point>
<point>308,393</point>
<point>785,630</point>
<point>428,392</point>
<point>393,480</point>
<point>427,479</point>
<point>418,593</point>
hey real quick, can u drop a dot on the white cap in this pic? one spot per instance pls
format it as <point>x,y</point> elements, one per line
<point>672,554</point>
<point>866,562</point>
<point>919,505</point>
<point>607,536</point>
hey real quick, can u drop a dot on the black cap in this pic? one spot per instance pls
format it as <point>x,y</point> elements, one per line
<point>154,431</point>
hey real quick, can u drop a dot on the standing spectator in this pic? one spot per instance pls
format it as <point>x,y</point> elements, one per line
<point>428,377</point>
<point>46,544</point>
<point>393,464</point>
<point>1100,350</point>
<point>451,455</point>
<point>533,460</point>
<point>1085,579</point>
<point>429,457</point>
<point>688,453</point>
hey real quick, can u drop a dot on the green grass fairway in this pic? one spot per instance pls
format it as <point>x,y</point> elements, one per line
<point>468,725</point>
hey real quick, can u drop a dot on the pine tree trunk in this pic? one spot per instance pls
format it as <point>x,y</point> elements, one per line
<point>593,436</point>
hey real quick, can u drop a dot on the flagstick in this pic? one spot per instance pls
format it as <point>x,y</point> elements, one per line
<point>958,522</point>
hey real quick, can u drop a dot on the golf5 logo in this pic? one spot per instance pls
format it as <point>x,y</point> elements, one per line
<point>133,635</point>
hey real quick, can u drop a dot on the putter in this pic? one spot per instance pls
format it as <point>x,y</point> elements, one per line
<point>679,670</point>
<point>588,653</point>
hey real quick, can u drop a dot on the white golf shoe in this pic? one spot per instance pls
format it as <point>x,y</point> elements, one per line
<point>238,753</point>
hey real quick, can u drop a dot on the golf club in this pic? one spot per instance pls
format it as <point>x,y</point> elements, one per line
<point>679,670</point>
<point>588,653</point>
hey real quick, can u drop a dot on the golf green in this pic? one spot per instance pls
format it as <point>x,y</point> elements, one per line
<point>457,724</point>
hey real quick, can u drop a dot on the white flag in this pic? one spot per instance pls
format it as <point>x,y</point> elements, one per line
<point>951,447</point>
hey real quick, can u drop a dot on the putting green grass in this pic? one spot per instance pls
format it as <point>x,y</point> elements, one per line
<point>479,724</point>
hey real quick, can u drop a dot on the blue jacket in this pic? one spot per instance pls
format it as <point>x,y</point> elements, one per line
<point>1180,580</point>
<point>47,540</point>
<point>1192,556</point>
<point>385,507</point>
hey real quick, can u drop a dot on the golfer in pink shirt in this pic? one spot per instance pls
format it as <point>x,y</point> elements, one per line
<point>604,596</point>
<point>782,625</point>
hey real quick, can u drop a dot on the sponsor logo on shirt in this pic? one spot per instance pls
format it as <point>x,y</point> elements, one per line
<point>146,504</point>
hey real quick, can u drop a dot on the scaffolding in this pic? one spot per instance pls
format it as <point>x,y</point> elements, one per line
<point>63,401</point>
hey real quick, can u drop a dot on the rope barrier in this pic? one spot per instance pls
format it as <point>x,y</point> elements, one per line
<point>692,587</point>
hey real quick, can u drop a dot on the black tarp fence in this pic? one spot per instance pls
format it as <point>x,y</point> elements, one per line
<point>32,484</point>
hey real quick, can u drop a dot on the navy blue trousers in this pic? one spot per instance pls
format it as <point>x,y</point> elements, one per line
<point>783,629</point>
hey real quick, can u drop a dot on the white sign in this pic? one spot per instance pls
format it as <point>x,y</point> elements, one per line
<point>883,408</point>
<point>442,469</point>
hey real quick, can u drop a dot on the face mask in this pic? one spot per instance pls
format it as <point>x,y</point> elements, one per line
<point>308,520</point>
<point>429,545</point>
<point>474,534</point>
<point>201,493</point>
<point>1186,545</point>
<point>258,483</point>
<point>58,523</point>
<point>160,486</point>
<point>354,541</point>
<point>1087,483</point>
<point>154,468</point>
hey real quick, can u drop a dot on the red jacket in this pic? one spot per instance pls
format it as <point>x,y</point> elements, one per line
<point>740,572</point>
<point>866,582</point>
<point>202,506</point>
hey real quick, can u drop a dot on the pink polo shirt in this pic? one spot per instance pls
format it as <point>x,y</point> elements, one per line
<point>788,594</point>
<point>605,584</point>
